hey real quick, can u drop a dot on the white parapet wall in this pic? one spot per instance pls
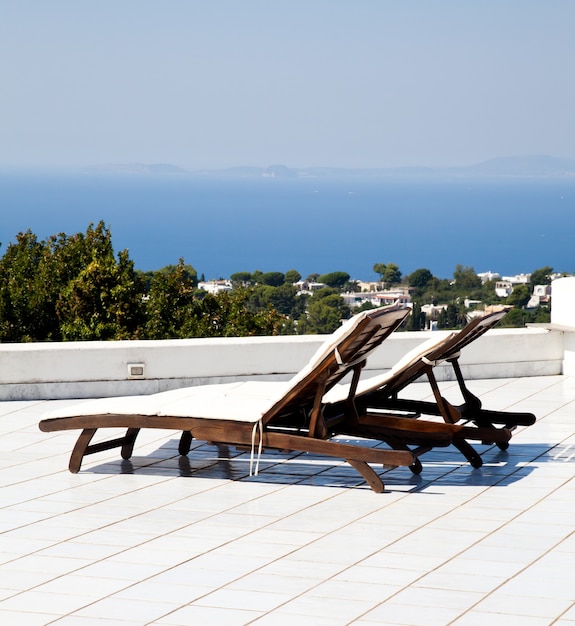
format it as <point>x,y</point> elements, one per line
<point>95,369</point>
<point>563,318</point>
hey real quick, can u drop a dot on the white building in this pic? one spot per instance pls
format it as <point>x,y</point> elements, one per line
<point>377,298</point>
<point>487,276</point>
<point>306,286</point>
<point>503,288</point>
<point>215,286</point>
<point>518,279</point>
<point>541,295</point>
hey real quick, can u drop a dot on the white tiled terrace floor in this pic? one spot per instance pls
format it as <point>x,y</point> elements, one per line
<point>176,541</point>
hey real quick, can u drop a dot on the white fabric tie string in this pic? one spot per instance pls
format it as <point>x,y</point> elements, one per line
<point>257,425</point>
<point>438,361</point>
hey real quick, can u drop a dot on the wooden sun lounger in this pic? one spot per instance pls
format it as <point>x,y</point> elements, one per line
<point>376,397</point>
<point>285,416</point>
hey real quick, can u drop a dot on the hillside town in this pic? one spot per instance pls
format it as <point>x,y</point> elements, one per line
<point>366,294</point>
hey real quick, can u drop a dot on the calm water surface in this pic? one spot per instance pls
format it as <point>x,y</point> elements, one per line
<point>221,226</point>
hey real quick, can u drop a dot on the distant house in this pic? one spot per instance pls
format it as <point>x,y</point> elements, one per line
<point>518,279</point>
<point>503,288</point>
<point>377,298</point>
<point>307,287</point>
<point>370,286</point>
<point>215,286</point>
<point>541,295</point>
<point>487,276</point>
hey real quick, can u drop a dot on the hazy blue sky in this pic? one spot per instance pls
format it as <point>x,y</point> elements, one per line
<point>218,83</point>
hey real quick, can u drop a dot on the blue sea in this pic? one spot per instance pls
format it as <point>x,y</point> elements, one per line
<point>221,226</point>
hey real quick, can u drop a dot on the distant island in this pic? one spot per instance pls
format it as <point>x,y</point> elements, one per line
<point>500,167</point>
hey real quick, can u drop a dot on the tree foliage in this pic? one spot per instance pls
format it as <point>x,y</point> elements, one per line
<point>520,296</point>
<point>170,303</point>
<point>75,287</point>
<point>388,273</point>
<point>334,279</point>
<point>292,276</point>
<point>541,276</point>
<point>466,279</point>
<point>324,313</point>
<point>452,317</point>
<point>274,279</point>
<point>419,278</point>
<point>417,319</point>
<point>68,287</point>
<point>241,278</point>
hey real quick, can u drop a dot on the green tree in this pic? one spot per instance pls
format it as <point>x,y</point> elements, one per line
<point>417,319</point>
<point>241,278</point>
<point>257,278</point>
<point>324,314</point>
<point>388,273</point>
<point>103,302</point>
<point>516,318</point>
<point>452,317</point>
<point>227,314</point>
<point>419,278</point>
<point>292,276</point>
<point>365,306</point>
<point>22,296</point>
<point>352,286</point>
<point>392,275</point>
<point>520,296</point>
<point>170,304</point>
<point>286,301</point>
<point>334,279</point>
<point>42,285</point>
<point>466,280</point>
<point>187,272</point>
<point>274,279</point>
<point>379,268</point>
<point>541,276</point>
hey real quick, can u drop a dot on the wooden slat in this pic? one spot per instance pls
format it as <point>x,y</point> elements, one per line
<point>284,441</point>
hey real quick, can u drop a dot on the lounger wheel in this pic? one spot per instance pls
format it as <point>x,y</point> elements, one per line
<point>416,467</point>
<point>503,445</point>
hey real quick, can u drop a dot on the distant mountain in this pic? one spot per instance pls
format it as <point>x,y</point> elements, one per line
<point>501,167</point>
<point>505,167</point>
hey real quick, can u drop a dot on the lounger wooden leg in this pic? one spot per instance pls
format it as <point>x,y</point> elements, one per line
<point>130,440</point>
<point>371,478</point>
<point>468,452</point>
<point>416,467</point>
<point>185,442</point>
<point>80,448</point>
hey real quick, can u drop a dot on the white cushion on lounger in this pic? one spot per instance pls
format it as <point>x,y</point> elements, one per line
<point>245,401</point>
<point>240,401</point>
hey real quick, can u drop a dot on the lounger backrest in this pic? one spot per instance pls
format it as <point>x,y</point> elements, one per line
<point>411,362</point>
<point>349,345</point>
<point>414,364</point>
<point>477,327</point>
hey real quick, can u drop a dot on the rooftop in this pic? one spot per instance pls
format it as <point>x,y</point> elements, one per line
<point>164,539</point>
